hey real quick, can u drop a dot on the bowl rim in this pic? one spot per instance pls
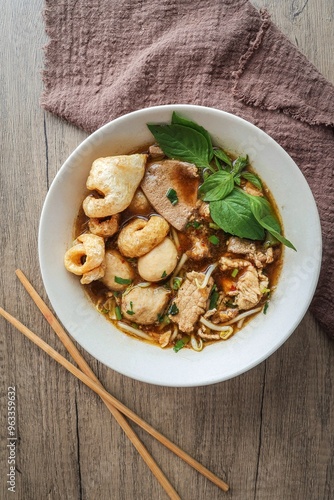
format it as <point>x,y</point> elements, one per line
<point>114,123</point>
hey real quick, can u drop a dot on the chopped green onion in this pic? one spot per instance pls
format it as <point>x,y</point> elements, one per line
<point>104,310</point>
<point>266,305</point>
<point>164,274</point>
<point>213,239</point>
<point>229,303</point>
<point>131,311</point>
<point>213,225</point>
<point>194,223</point>
<point>163,320</point>
<point>234,273</point>
<point>265,290</point>
<point>122,281</point>
<point>181,343</point>
<point>173,309</point>
<point>172,196</point>
<point>160,317</point>
<point>214,297</point>
<point>118,312</point>
<point>270,241</point>
<point>176,283</point>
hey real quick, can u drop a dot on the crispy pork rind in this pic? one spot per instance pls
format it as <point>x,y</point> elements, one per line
<point>104,227</point>
<point>86,255</point>
<point>140,235</point>
<point>116,179</point>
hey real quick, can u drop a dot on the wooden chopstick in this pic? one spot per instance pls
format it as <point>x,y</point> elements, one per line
<point>96,386</point>
<point>111,399</point>
<point>81,362</point>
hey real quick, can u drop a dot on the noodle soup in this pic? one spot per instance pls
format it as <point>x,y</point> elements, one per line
<point>178,247</point>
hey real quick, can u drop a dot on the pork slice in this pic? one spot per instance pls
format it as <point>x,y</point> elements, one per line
<point>245,247</point>
<point>241,246</point>
<point>248,288</point>
<point>163,175</point>
<point>191,301</point>
<point>200,248</point>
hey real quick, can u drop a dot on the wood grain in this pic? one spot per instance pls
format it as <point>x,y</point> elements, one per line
<point>269,432</point>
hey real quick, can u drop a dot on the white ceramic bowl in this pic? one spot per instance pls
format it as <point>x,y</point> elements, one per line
<point>218,362</point>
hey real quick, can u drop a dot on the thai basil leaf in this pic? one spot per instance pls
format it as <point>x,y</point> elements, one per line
<point>219,153</point>
<point>262,211</point>
<point>182,143</point>
<point>249,176</point>
<point>218,164</point>
<point>233,214</point>
<point>217,186</point>
<point>180,120</point>
<point>239,164</point>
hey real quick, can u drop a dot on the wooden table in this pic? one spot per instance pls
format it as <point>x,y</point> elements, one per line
<point>269,432</point>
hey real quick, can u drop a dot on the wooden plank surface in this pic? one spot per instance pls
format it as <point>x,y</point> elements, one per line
<point>269,432</point>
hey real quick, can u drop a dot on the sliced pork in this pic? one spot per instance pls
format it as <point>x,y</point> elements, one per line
<point>191,301</point>
<point>163,176</point>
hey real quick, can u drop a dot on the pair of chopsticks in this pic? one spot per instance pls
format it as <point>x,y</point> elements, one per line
<point>117,409</point>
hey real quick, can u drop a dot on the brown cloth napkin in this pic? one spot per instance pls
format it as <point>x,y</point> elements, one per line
<point>106,58</point>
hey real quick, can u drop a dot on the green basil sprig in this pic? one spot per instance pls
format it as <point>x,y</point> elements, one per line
<point>232,209</point>
<point>220,184</point>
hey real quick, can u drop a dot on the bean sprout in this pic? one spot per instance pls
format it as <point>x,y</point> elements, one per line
<point>240,322</point>
<point>134,331</point>
<point>175,237</point>
<point>196,345</point>
<point>182,261</point>
<point>175,332</point>
<point>208,273</point>
<point>216,328</point>
<point>226,335</point>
